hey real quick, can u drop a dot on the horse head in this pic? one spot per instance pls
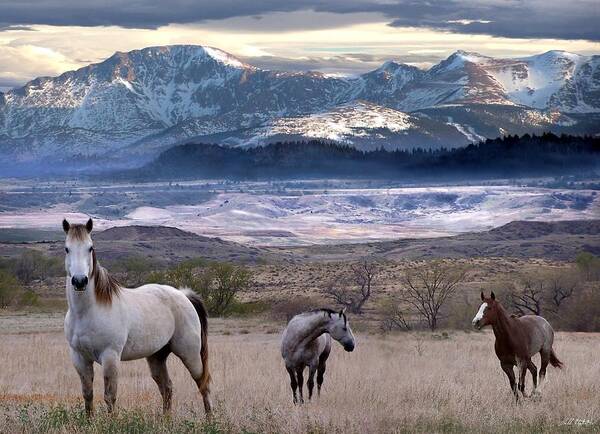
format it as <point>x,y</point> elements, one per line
<point>487,313</point>
<point>79,253</point>
<point>339,329</point>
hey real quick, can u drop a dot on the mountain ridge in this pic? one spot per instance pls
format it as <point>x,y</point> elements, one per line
<point>140,102</point>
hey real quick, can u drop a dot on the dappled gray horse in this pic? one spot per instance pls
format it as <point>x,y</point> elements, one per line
<point>306,342</point>
<point>107,323</point>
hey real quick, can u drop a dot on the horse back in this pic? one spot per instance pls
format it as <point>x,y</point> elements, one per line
<point>538,333</point>
<point>158,314</point>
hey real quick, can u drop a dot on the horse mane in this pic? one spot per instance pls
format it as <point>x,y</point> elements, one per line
<point>78,232</point>
<point>105,285</point>
<point>322,309</point>
<point>325,310</point>
<point>513,331</point>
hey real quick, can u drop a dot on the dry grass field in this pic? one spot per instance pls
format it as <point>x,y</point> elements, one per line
<point>408,382</point>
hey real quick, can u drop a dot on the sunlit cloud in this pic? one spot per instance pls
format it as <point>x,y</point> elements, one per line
<point>360,42</point>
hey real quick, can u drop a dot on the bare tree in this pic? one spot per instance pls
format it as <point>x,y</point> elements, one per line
<point>561,286</point>
<point>427,287</point>
<point>357,291</point>
<point>543,291</point>
<point>527,298</point>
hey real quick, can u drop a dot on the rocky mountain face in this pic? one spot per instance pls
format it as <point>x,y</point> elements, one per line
<point>141,102</point>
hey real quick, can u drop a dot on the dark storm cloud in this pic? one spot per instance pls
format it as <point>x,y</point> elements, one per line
<point>574,19</point>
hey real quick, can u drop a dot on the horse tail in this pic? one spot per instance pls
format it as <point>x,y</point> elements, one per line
<point>203,316</point>
<point>554,360</point>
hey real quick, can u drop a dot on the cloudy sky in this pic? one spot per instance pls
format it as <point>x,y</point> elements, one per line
<point>48,37</point>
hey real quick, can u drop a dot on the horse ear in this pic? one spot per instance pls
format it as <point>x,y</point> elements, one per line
<point>482,296</point>
<point>89,225</point>
<point>493,296</point>
<point>66,226</point>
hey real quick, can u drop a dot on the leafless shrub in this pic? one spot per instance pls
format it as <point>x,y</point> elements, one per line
<point>394,318</point>
<point>426,288</point>
<point>542,292</point>
<point>526,297</point>
<point>358,288</point>
<point>285,310</point>
<point>33,265</point>
<point>418,345</point>
<point>562,286</point>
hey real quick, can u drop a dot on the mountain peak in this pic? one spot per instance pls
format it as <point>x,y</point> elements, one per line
<point>391,66</point>
<point>457,60</point>
<point>557,54</point>
<point>467,56</point>
<point>187,53</point>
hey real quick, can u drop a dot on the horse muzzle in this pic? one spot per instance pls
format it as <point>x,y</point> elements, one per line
<point>477,324</point>
<point>79,283</point>
<point>349,347</point>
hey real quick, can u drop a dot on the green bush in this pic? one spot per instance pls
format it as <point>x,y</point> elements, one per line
<point>29,298</point>
<point>218,283</point>
<point>136,269</point>
<point>9,287</point>
<point>223,281</point>
<point>589,265</point>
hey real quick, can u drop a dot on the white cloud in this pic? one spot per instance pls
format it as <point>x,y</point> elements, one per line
<point>354,47</point>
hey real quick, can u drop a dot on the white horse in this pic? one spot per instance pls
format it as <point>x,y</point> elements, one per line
<point>306,341</point>
<point>107,323</point>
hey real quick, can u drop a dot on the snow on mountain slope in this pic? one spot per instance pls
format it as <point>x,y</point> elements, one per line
<point>344,121</point>
<point>362,124</point>
<point>555,80</point>
<point>139,102</point>
<point>547,81</point>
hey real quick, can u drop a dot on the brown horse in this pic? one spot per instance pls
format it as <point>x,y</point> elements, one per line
<point>517,341</point>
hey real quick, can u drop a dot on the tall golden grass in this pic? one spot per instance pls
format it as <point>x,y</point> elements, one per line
<point>395,383</point>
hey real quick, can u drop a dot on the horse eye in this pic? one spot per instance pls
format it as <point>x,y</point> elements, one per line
<point>345,329</point>
<point>67,249</point>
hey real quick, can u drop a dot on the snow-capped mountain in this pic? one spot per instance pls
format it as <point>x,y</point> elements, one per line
<point>143,101</point>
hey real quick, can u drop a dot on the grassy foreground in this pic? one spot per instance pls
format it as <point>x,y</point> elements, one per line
<point>31,418</point>
<point>410,382</point>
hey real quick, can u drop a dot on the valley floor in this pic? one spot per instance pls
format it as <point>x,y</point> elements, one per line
<point>293,213</point>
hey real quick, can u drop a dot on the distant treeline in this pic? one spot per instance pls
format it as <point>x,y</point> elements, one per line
<point>509,156</point>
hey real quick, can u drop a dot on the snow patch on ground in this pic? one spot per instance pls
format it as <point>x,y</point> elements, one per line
<point>342,215</point>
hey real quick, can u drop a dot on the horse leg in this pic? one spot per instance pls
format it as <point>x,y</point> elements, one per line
<point>311,380</point>
<point>510,373</point>
<point>533,369</point>
<point>293,383</point>
<point>321,368</point>
<point>158,369</point>
<point>85,369</point>
<point>522,366</point>
<point>320,375</point>
<point>545,359</point>
<point>110,366</point>
<point>299,374</point>
<point>193,363</point>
